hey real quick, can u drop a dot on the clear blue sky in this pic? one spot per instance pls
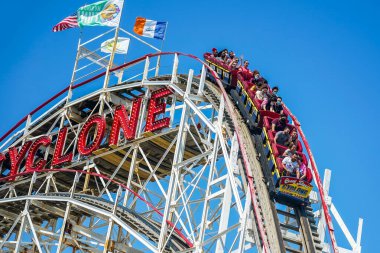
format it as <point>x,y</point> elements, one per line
<point>324,55</point>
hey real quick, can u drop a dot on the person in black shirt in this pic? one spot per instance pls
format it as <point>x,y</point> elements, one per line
<point>274,93</point>
<point>276,105</point>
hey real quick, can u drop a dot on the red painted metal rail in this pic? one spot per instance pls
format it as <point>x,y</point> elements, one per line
<point>317,180</point>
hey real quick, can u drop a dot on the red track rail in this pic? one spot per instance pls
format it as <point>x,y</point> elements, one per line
<point>229,108</point>
<point>317,179</point>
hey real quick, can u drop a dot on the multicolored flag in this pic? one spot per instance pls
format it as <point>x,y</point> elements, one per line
<point>150,28</point>
<point>69,22</point>
<point>102,13</point>
<point>122,45</point>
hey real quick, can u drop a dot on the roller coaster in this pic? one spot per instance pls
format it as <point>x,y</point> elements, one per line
<point>128,159</point>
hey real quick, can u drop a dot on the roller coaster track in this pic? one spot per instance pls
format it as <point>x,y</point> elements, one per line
<point>276,228</point>
<point>303,218</point>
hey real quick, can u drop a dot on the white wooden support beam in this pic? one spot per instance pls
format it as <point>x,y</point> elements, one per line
<point>343,226</point>
<point>178,158</point>
<point>202,81</point>
<point>67,213</point>
<point>35,237</point>
<point>226,208</point>
<point>175,69</point>
<point>322,222</point>
<point>203,224</point>
<point>358,248</point>
<point>5,239</point>
<point>146,70</point>
<point>111,222</point>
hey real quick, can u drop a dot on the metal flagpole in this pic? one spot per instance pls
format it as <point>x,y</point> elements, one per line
<point>159,57</point>
<point>110,64</point>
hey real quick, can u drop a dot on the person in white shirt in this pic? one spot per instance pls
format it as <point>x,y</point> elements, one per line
<point>291,165</point>
<point>263,95</point>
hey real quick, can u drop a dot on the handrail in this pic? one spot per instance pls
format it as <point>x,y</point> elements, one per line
<point>188,242</point>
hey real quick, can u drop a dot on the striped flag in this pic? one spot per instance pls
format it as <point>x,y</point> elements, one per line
<point>150,28</point>
<point>69,22</point>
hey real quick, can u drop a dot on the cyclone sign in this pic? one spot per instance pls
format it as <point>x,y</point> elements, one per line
<point>295,187</point>
<point>121,121</point>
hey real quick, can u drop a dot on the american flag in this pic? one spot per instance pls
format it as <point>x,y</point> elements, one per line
<point>69,22</point>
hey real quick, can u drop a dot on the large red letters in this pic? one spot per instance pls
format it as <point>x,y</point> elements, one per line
<point>2,159</point>
<point>155,108</point>
<point>16,158</point>
<point>120,120</point>
<point>42,141</point>
<point>95,120</point>
<point>58,158</point>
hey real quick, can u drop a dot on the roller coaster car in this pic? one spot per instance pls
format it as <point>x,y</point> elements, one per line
<point>293,191</point>
<point>223,70</point>
<point>285,189</point>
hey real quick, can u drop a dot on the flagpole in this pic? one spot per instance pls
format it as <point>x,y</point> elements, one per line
<point>110,64</point>
<point>159,57</point>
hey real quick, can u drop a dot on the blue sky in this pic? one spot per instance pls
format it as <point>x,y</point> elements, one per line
<point>324,56</point>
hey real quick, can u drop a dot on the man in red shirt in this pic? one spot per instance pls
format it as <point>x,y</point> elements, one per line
<point>214,52</point>
<point>245,72</point>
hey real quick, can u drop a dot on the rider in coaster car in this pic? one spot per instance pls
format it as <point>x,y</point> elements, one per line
<point>263,95</point>
<point>274,92</point>
<point>214,52</point>
<point>258,81</point>
<point>245,72</point>
<point>280,123</point>
<point>282,137</point>
<point>303,169</point>
<point>231,57</point>
<point>222,56</point>
<point>292,149</point>
<point>291,165</point>
<point>294,137</point>
<point>276,105</point>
